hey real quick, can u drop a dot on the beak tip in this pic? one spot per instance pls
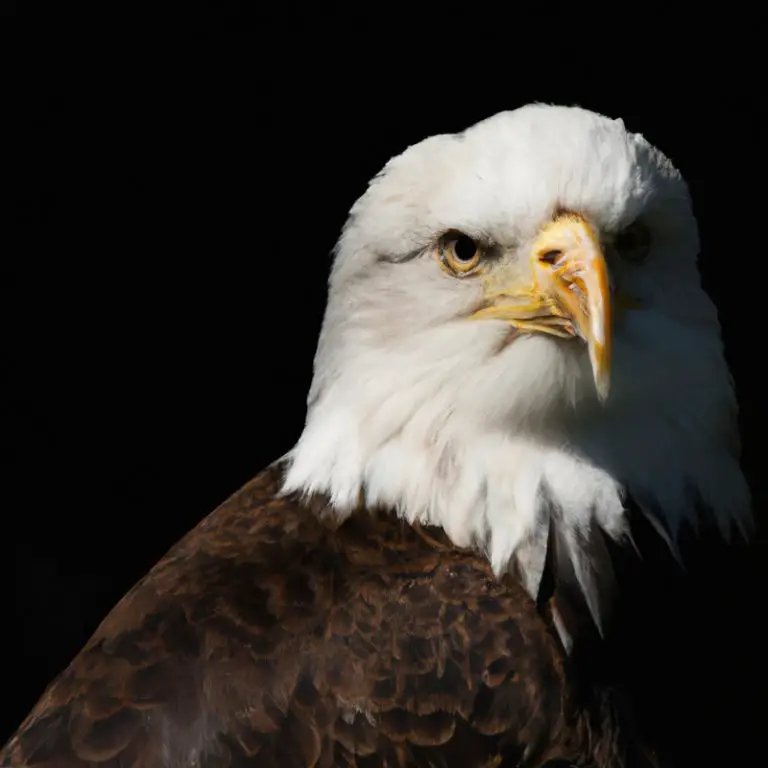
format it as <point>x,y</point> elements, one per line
<point>603,387</point>
<point>599,358</point>
<point>602,377</point>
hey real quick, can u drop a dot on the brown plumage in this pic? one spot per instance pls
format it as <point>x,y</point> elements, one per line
<point>271,636</point>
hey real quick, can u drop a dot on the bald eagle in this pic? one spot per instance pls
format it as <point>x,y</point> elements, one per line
<point>515,343</point>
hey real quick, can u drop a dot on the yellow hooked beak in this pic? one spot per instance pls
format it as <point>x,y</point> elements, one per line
<point>568,296</point>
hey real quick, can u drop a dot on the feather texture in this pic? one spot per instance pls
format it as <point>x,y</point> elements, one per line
<point>452,423</point>
<point>273,636</point>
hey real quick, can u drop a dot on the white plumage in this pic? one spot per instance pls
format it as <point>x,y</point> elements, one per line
<point>416,407</point>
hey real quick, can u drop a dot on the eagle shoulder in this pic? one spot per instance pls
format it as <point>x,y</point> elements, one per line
<point>271,634</point>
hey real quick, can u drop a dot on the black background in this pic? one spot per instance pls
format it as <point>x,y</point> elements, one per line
<point>170,208</point>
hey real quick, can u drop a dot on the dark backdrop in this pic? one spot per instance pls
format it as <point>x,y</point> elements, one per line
<point>163,279</point>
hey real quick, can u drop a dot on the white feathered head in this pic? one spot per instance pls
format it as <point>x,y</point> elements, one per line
<point>516,337</point>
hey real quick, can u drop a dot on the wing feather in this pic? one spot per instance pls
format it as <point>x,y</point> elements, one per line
<point>268,635</point>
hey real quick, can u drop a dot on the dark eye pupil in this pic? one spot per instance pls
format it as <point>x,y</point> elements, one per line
<point>627,240</point>
<point>633,242</point>
<point>465,248</point>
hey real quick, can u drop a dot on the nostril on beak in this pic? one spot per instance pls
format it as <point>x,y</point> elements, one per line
<point>550,257</point>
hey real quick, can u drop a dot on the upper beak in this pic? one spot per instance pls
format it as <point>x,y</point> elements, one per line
<point>569,296</point>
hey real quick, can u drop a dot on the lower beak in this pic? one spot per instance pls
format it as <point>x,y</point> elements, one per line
<point>570,294</point>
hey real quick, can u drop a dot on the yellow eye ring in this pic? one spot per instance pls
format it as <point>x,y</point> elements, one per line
<point>459,254</point>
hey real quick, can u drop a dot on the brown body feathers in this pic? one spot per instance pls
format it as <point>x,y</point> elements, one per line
<point>268,637</point>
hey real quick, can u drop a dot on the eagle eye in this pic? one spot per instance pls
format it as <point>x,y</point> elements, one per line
<point>634,242</point>
<point>459,254</point>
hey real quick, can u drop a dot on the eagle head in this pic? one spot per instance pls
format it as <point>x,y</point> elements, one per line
<point>516,338</point>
